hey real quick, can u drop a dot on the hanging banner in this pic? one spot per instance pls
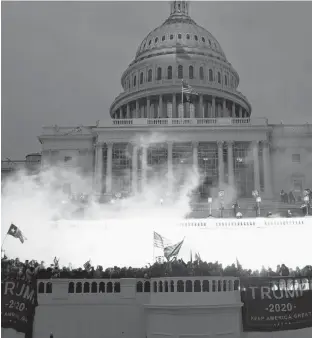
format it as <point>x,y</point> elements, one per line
<point>18,303</point>
<point>276,304</point>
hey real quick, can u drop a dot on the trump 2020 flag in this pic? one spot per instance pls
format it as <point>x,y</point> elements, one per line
<point>173,250</point>
<point>15,232</point>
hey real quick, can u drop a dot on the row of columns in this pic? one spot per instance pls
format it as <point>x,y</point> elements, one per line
<point>119,112</point>
<point>231,179</point>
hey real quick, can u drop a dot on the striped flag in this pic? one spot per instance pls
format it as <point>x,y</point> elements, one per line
<point>160,241</point>
<point>87,265</point>
<point>187,89</point>
<point>16,233</point>
<point>173,250</point>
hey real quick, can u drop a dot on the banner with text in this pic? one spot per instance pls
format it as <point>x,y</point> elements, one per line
<point>276,304</point>
<point>18,303</point>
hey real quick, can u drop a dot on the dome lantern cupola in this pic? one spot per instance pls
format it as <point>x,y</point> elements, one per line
<point>179,7</point>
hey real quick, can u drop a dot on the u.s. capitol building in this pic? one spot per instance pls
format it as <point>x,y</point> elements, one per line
<point>152,132</point>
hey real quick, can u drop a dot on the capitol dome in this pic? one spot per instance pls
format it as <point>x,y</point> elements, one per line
<point>177,51</point>
<point>179,28</point>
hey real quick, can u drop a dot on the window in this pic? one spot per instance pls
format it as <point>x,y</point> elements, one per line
<point>191,72</point>
<point>169,110</point>
<point>171,36</point>
<point>201,73</point>
<point>188,36</point>
<point>67,158</point>
<point>209,42</point>
<point>219,77</point>
<point>210,75</point>
<point>225,80</point>
<point>149,43</point>
<point>203,39</point>
<point>156,40</point>
<point>163,38</point>
<point>169,73</point>
<point>179,36</point>
<point>158,73</point>
<point>134,81</point>
<point>149,75</point>
<point>295,158</point>
<point>180,72</point>
<point>195,37</point>
<point>141,78</point>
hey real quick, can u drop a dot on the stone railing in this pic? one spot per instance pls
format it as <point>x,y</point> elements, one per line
<point>154,285</point>
<point>189,122</point>
<point>252,222</point>
<point>195,284</point>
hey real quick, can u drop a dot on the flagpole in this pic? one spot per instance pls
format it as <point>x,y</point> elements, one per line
<point>4,240</point>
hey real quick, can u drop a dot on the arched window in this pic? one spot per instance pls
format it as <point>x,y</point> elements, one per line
<point>141,78</point>
<point>195,37</point>
<point>134,81</point>
<point>179,36</point>
<point>191,72</point>
<point>210,75</point>
<point>158,73</point>
<point>180,72</point>
<point>163,38</point>
<point>203,39</point>
<point>188,36</point>
<point>219,77</point>
<point>171,36</point>
<point>201,73</point>
<point>169,73</point>
<point>225,80</point>
<point>149,75</point>
<point>156,40</point>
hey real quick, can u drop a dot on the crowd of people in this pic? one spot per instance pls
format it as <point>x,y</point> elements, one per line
<point>14,268</point>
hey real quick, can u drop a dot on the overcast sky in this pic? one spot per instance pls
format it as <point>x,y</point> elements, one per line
<point>62,61</point>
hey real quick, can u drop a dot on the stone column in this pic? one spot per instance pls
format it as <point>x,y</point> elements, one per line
<point>174,105</point>
<point>255,152</point>
<point>148,104</point>
<point>109,167</point>
<point>224,110</point>
<point>230,163</point>
<point>213,106</point>
<point>267,170</point>
<point>170,173</point>
<point>240,112</point>
<point>233,110</point>
<point>98,186</point>
<point>144,167</point>
<point>128,110</point>
<point>220,164</point>
<point>195,156</point>
<point>201,106</point>
<point>160,107</point>
<point>137,108</point>
<point>134,180</point>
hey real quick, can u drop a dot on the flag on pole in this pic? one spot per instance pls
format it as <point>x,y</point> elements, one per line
<point>197,257</point>
<point>87,265</point>
<point>191,256</point>
<point>16,233</point>
<point>160,241</point>
<point>238,265</point>
<point>188,89</point>
<point>173,250</point>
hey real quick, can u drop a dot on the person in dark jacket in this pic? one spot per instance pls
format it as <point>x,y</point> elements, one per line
<point>291,198</point>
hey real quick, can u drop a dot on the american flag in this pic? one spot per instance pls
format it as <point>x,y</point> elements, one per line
<point>160,241</point>
<point>187,89</point>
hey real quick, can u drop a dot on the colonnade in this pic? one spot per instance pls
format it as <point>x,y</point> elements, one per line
<point>169,106</point>
<point>98,173</point>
